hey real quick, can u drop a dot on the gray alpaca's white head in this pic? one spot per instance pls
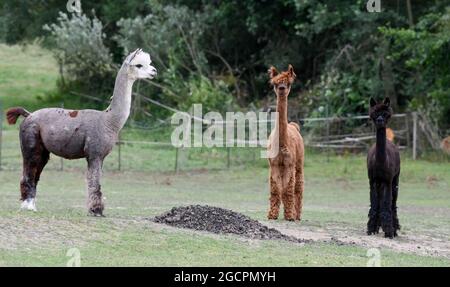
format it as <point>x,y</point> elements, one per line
<point>138,65</point>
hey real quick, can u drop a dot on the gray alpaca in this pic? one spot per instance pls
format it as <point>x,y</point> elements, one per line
<point>70,134</point>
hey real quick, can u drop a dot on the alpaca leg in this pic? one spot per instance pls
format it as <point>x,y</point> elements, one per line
<point>288,199</point>
<point>95,204</point>
<point>372,224</point>
<point>34,175</point>
<point>299,185</point>
<point>386,211</point>
<point>28,189</point>
<point>274,200</point>
<point>394,204</point>
<point>35,157</point>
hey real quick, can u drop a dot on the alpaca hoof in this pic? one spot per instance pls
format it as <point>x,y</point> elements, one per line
<point>389,235</point>
<point>272,217</point>
<point>29,204</point>
<point>96,213</point>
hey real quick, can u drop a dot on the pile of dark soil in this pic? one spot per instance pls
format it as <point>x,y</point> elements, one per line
<point>219,221</point>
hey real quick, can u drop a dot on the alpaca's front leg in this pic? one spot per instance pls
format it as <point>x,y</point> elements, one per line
<point>372,225</point>
<point>386,211</point>
<point>94,201</point>
<point>275,200</point>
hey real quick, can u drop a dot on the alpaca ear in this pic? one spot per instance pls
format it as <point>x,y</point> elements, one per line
<point>291,72</point>
<point>372,102</point>
<point>133,55</point>
<point>387,102</point>
<point>272,72</point>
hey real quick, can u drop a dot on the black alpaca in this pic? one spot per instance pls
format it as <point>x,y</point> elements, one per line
<point>383,165</point>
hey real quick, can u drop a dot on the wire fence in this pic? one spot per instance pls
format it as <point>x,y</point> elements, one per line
<point>138,150</point>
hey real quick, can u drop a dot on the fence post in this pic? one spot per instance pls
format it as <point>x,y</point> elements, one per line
<point>176,159</point>
<point>61,163</point>
<point>408,139</point>
<point>119,159</point>
<point>414,149</point>
<point>228,157</point>
<point>1,133</point>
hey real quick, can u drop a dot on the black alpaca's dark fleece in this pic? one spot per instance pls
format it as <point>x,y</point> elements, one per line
<point>383,165</point>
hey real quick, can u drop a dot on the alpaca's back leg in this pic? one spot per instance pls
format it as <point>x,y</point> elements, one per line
<point>395,183</point>
<point>275,199</point>
<point>35,157</point>
<point>299,188</point>
<point>288,196</point>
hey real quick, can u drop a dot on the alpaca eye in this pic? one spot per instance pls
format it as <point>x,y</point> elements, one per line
<point>138,66</point>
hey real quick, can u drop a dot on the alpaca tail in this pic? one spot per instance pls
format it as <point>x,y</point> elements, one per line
<point>13,114</point>
<point>295,125</point>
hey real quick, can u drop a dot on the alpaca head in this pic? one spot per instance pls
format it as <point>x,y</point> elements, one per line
<point>282,82</point>
<point>138,66</point>
<point>380,113</point>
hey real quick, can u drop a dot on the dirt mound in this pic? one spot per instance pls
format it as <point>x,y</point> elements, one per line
<point>219,221</point>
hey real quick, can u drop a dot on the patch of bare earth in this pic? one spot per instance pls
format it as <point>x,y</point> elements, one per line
<point>27,233</point>
<point>407,242</point>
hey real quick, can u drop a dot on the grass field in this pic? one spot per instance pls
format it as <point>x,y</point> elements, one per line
<point>334,218</point>
<point>27,75</point>
<point>335,210</point>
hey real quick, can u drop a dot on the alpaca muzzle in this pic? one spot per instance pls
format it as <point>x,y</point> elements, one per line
<point>379,121</point>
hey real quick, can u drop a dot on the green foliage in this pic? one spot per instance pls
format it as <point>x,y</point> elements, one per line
<point>172,35</point>
<point>424,54</point>
<point>341,53</point>
<point>78,45</point>
<point>85,62</point>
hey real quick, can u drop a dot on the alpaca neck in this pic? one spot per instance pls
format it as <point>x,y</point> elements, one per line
<point>119,109</point>
<point>282,121</point>
<point>380,154</point>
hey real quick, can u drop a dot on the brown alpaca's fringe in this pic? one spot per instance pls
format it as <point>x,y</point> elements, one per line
<point>390,134</point>
<point>13,114</point>
<point>295,125</point>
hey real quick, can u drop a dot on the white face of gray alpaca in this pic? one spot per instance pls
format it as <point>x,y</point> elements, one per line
<point>139,66</point>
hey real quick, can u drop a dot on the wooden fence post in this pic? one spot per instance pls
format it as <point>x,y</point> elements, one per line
<point>176,159</point>
<point>414,148</point>
<point>228,157</point>
<point>61,163</point>
<point>1,133</point>
<point>119,159</point>
<point>408,139</point>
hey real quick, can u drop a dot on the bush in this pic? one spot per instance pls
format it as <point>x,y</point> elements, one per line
<point>85,62</point>
<point>172,36</point>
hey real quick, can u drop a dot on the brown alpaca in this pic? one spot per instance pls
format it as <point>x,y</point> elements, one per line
<point>390,135</point>
<point>286,166</point>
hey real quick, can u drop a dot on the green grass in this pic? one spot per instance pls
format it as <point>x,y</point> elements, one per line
<point>27,75</point>
<point>126,237</point>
